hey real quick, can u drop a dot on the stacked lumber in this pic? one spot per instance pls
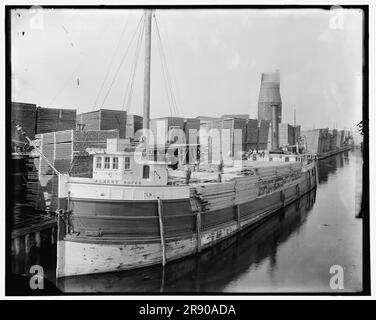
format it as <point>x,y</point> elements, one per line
<point>341,133</point>
<point>333,139</point>
<point>23,114</point>
<point>246,189</point>
<point>237,137</point>
<point>104,119</point>
<point>312,140</point>
<point>264,135</point>
<point>321,140</point>
<point>252,132</point>
<point>239,116</point>
<point>192,124</point>
<point>133,124</point>
<point>286,134</point>
<point>27,191</point>
<point>215,196</point>
<point>163,129</point>
<point>210,140</point>
<point>49,120</point>
<point>297,130</point>
<point>238,188</point>
<point>66,150</point>
<point>274,177</point>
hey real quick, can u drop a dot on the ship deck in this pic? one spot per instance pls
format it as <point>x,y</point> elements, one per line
<point>209,173</point>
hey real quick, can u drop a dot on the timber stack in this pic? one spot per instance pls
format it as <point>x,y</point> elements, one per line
<point>49,120</point>
<point>67,152</point>
<point>104,119</point>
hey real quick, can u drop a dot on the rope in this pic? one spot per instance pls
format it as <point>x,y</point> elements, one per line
<point>165,66</point>
<point>178,104</point>
<point>121,62</point>
<point>130,85</point>
<point>111,63</point>
<point>165,82</point>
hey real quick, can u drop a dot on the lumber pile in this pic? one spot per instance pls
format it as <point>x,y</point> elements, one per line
<point>66,150</point>
<point>104,119</point>
<point>49,120</point>
<point>264,136</point>
<point>274,177</point>
<point>27,191</point>
<point>164,131</point>
<point>238,187</point>
<point>23,114</point>
<point>133,124</point>
<point>251,140</point>
<point>191,130</point>
<point>237,137</point>
<point>215,196</point>
<point>286,134</point>
<point>246,189</point>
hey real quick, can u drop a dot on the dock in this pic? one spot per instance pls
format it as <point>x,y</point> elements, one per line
<point>32,229</point>
<point>330,153</point>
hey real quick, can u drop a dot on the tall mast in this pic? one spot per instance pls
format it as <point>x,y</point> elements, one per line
<point>146,120</point>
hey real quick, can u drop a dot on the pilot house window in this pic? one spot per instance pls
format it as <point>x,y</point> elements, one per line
<point>98,162</point>
<point>145,172</point>
<point>126,163</point>
<point>107,162</point>
<point>115,163</point>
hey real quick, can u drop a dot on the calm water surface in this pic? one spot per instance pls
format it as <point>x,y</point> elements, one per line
<point>291,252</point>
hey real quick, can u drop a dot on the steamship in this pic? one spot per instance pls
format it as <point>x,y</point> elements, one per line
<point>134,211</point>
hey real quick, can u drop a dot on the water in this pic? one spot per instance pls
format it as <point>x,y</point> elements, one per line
<point>291,252</point>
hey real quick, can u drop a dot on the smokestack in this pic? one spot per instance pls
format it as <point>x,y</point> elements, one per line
<point>269,96</point>
<point>275,135</point>
<point>270,103</point>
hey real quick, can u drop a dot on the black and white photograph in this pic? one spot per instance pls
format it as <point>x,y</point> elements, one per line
<point>191,150</point>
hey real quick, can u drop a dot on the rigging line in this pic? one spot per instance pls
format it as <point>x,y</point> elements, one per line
<point>129,88</point>
<point>170,105</point>
<point>174,79</point>
<point>168,73</point>
<point>164,73</point>
<point>74,71</point>
<point>133,68</point>
<point>169,84</point>
<point>121,62</point>
<point>134,76</point>
<point>111,62</point>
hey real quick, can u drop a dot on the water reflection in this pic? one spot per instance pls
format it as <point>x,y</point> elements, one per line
<point>330,165</point>
<point>210,271</point>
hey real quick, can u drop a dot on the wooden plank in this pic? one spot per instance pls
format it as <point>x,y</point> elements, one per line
<point>237,208</point>
<point>33,228</point>
<point>161,231</point>
<point>198,229</point>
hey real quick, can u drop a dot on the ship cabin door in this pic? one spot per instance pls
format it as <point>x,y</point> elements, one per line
<point>145,171</point>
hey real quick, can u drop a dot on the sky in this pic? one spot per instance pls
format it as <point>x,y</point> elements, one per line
<point>83,59</point>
